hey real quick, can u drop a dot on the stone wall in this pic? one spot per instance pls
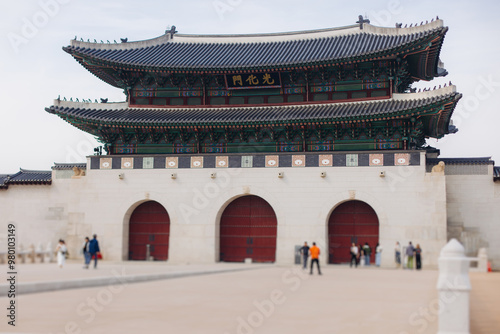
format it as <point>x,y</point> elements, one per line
<point>40,213</point>
<point>474,213</point>
<point>410,205</point>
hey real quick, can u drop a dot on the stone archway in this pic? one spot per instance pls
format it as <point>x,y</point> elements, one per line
<point>149,225</point>
<point>248,229</point>
<point>351,221</point>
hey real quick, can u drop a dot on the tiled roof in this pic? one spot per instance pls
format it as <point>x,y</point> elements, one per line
<point>3,181</point>
<point>64,166</point>
<point>26,177</point>
<point>496,173</point>
<point>225,52</point>
<point>121,114</point>
<point>461,161</point>
<point>31,176</point>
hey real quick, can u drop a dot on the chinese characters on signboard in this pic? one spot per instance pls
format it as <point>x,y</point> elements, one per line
<point>253,80</point>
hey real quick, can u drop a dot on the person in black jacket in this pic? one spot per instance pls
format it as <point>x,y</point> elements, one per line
<point>367,251</point>
<point>86,252</point>
<point>304,250</point>
<point>94,249</point>
<point>418,257</point>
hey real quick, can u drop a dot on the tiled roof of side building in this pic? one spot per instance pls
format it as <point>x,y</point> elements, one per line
<point>25,176</point>
<point>236,52</point>
<point>65,166</point>
<point>3,181</point>
<point>462,161</point>
<point>496,173</point>
<point>31,177</point>
<point>121,114</point>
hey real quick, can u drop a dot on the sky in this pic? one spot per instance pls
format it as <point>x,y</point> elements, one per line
<point>34,70</point>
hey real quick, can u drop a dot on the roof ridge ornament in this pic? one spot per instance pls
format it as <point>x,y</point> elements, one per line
<point>361,20</point>
<point>172,31</point>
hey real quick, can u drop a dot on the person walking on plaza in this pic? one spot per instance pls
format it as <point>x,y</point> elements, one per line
<point>354,255</point>
<point>86,252</point>
<point>94,249</point>
<point>409,253</point>
<point>314,250</point>
<point>397,254</point>
<point>418,257</point>
<point>305,254</point>
<point>361,257</point>
<point>61,250</point>
<point>378,255</point>
<point>367,250</point>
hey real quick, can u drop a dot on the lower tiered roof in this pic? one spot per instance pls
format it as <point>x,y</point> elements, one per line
<point>433,108</point>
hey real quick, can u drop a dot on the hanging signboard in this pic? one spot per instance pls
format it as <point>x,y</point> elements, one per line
<point>253,80</point>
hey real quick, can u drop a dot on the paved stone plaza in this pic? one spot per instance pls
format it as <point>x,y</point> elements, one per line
<point>248,299</point>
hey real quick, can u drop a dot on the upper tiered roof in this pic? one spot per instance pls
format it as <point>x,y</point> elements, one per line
<point>284,51</point>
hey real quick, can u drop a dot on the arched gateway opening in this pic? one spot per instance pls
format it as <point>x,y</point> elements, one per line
<point>149,225</point>
<point>352,221</point>
<point>248,229</point>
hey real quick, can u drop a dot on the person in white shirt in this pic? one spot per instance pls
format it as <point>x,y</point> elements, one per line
<point>378,255</point>
<point>61,250</point>
<point>354,255</point>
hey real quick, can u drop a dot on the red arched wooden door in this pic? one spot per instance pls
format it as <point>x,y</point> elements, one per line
<point>352,221</point>
<point>248,229</point>
<point>149,225</point>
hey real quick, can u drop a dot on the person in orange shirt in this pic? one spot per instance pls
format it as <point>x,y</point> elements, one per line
<point>314,251</point>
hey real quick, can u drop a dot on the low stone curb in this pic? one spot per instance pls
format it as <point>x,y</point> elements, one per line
<point>116,279</point>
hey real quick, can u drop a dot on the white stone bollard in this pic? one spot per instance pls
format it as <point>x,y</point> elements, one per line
<point>454,289</point>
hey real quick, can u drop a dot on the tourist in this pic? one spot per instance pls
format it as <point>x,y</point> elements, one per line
<point>304,250</point>
<point>418,257</point>
<point>94,249</point>
<point>367,250</point>
<point>409,253</point>
<point>314,250</point>
<point>62,251</point>
<point>86,252</point>
<point>354,255</point>
<point>397,253</point>
<point>361,258</point>
<point>378,255</point>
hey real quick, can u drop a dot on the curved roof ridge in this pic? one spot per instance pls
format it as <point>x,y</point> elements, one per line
<point>69,163</point>
<point>260,37</point>
<point>425,94</point>
<point>22,170</point>
<point>91,105</point>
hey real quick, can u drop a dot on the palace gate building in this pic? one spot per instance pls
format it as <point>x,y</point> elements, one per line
<point>234,147</point>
